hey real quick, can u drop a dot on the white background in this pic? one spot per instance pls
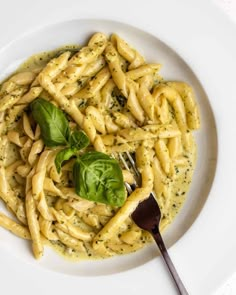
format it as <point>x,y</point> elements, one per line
<point>49,11</point>
<point>229,8</point>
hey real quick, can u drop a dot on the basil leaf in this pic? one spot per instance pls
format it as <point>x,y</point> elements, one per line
<point>53,123</point>
<point>79,140</point>
<point>62,156</point>
<point>99,178</point>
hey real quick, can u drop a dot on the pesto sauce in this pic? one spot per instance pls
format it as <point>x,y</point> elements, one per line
<point>179,186</point>
<point>39,60</point>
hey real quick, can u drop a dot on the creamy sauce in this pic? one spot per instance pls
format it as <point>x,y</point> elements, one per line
<point>180,184</point>
<point>38,61</point>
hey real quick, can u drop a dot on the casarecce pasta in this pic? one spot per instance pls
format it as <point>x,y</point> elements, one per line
<point>121,102</point>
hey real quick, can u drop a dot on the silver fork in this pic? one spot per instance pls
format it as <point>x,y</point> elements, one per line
<point>147,216</point>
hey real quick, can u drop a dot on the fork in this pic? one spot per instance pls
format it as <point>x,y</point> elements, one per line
<point>147,216</point>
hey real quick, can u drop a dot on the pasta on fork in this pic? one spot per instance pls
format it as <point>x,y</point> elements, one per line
<point>64,116</point>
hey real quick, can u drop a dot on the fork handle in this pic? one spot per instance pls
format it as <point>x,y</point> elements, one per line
<point>179,284</point>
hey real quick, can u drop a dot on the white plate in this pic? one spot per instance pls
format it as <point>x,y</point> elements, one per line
<point>197,255</point>
<point>174,68</point>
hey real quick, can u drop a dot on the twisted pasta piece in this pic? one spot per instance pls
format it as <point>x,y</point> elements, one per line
<point>33,225</point>
<point>17,229</point>
<point>134,58</point>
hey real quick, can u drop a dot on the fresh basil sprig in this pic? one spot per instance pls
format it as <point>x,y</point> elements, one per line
<point>53,123</point>
<point>98,178</point>
<point>55,131</point>
<point>78,141</point>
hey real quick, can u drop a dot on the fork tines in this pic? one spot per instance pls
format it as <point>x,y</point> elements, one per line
<point>130,188</point>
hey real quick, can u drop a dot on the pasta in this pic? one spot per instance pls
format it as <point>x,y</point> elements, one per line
<point>120,101</point>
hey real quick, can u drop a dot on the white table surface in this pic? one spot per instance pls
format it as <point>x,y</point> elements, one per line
<point>227,6</point>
